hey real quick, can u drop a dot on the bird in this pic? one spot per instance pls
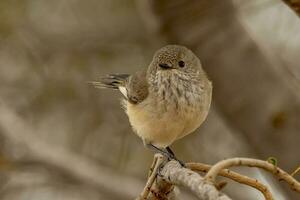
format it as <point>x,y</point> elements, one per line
<point>165,101</point>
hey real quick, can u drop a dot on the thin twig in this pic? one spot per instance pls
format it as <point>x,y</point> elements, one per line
<point>173,173</point>
<point>234,176</point>
<point>295,172</point>
<point>282,175</point>
<point>157,161</point>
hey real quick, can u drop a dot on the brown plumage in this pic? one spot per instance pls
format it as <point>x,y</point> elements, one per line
<point>168,100</point>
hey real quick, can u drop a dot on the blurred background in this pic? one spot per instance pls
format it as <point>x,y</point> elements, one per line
<point>62,139</point>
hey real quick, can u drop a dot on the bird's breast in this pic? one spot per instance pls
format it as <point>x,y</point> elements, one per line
<point>171,111</point>
<point>161,122</point>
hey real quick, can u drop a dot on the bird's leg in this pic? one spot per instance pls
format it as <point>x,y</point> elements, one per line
<point>170,151</point>
<point>174,157</point>
<point>167,152</point>
<point>163,151</point>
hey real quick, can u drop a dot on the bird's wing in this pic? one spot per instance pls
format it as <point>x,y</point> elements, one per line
<point>136,87</point>
<point>133,87</point>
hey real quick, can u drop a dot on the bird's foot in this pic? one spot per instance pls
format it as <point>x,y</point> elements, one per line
<point>180,162</point>
<point>173,157</point>
<point>167,152</point>
<point>159,171</point>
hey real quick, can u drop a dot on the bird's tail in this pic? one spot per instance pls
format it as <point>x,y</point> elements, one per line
<point>113,81</point>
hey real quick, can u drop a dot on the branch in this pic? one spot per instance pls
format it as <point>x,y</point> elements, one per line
<point>282,175</point>
<point>296,171</point>
<point>157,162</point>
<point>234,176</point>
<point>294,4</point>
<point>172,173</point>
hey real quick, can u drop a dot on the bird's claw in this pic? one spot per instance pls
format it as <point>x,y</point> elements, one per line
<point>172,157</point>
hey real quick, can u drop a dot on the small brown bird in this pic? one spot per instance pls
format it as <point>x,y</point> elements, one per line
<point>166,101</point>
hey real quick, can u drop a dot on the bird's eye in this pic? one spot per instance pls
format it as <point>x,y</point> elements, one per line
<point>181,63</point>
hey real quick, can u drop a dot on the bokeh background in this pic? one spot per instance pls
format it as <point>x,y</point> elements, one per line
<point>62,139</point>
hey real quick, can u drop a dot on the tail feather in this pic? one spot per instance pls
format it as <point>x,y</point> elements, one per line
<point>112,81</point>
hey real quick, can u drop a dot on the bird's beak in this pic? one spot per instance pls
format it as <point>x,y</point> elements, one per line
<point>165,66</point>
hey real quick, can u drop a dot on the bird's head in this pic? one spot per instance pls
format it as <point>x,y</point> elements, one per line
<point>174,60</point>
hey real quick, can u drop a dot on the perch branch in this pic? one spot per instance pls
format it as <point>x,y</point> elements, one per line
<point>234,176</point>
<point>282,175</point>
<point>173,173</point>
